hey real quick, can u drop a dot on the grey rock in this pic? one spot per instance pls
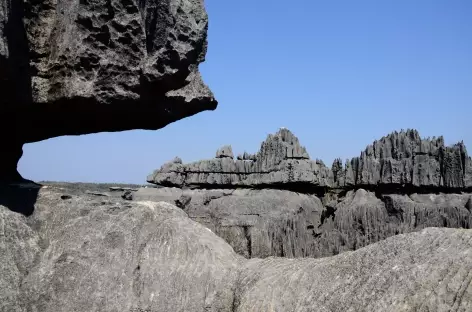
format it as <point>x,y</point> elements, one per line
<point>225,152</point>
<point>265,223</point>
<point>111,65</point>
<point>97,193</point>
<point>153,253</point>
<point>183,201</point>
<point>127,195</point>
<point>281,160</point>
<point>19,248</point>
<point>122,189</point>
<point>74,256</point>
<point>425,271</point>
<point>468,205</point>
<point>401,159</point>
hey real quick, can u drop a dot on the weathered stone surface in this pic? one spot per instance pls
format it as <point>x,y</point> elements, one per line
<point>78,67</point>
<point>399,160</point>
<point>125,256</point>
<point>19,248</point>
<point>425,271</point>
<point>403,158</point>
<point>225,152</point>
<point>83,254</point>
<point>263,223</point>
<point>281,160</point>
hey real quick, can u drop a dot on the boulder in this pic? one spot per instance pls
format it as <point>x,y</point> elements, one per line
<point>124,256</point>
<point>78,67</point>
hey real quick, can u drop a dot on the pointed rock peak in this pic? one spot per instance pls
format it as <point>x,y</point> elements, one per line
<point>284,143</point>
<point>176,160</point>
<point>225,152</point>
<point>287,136</point>
<point>247,156</point>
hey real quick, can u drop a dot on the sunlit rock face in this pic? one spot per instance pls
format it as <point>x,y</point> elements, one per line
<point>279,202</point>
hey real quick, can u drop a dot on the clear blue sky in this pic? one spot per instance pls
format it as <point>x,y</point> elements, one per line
<point>339,74</point>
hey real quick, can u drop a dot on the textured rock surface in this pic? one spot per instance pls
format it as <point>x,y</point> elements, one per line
<point>399,160</point>
<point>100,255</point>
<point>399,184</point>
<point>256,223</point>
<point>77,67</point>
<point>281,160</point>
<point>19,248</point>
<point>426,271</point>
<point>263,223</point>
<point>81,253</point>
<point>225,152</point>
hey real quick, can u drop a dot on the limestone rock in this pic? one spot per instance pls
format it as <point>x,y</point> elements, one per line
<point>225,152</point>
<point>78,67</point>
<point>425,271</point>
<point>153,253</point>
<point>399,160</point>
<point>19,248</point>
<point>73,255</point>
<point>265,223</point>
<point>281,160</point>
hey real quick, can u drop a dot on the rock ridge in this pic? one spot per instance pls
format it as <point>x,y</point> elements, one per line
<point>400,161</point>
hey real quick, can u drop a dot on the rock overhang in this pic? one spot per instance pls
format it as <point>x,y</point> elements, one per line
<point>72,68</point>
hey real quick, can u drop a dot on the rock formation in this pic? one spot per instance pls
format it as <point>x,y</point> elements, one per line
<point>401,160</point>
<point>78,67</point>
<point>85,253</point>
<point>280,203</point>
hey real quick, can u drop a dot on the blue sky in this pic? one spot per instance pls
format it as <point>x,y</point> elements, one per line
<point>339,74</point>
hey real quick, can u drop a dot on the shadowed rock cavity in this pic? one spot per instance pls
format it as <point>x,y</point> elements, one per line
<point>78,67</point>
<point>278,202</point>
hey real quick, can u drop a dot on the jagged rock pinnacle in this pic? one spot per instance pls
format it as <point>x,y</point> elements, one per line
<point>400,159</point>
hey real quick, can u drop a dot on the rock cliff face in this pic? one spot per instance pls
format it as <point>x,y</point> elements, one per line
<point>80,252</point>
<point>85,66</point>
<point>278,202</point>
<point>399,160</point>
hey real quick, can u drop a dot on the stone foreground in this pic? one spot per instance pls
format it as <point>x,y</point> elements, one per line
<point>70,67</point>
<point>88,253</point>
<point>399,160</point>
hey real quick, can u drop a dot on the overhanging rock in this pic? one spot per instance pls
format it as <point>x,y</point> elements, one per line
<point>78,67</point>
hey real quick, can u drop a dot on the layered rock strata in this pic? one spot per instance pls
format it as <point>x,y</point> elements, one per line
<point>400,159</point>
<point>78,67</point>
<point>281,203</point>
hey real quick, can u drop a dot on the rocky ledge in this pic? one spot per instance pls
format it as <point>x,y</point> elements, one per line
<point>70,67</point>
<point>399,160</point>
